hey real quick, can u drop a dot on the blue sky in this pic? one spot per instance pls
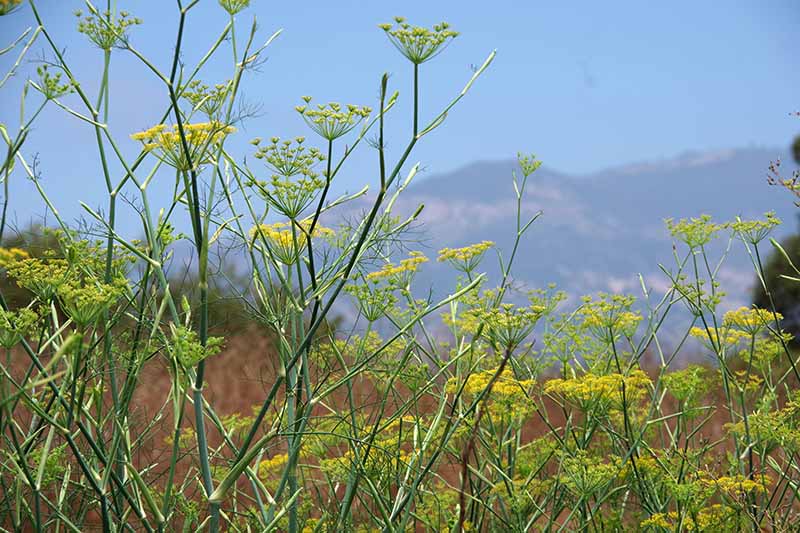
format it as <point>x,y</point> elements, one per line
<point>583,86</point>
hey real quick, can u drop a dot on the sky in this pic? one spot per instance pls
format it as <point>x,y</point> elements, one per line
<point>584,86</point>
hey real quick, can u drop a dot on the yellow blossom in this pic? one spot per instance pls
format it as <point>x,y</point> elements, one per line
<point>11,255</point>
<point>168,144</point>
<point>467,258</point>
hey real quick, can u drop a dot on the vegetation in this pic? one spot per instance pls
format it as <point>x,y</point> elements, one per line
<point>533,411</point>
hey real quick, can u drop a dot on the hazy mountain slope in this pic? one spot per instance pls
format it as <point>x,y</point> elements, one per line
<point>599,231</point>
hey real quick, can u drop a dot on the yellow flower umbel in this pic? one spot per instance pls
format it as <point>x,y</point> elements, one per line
<point>84,303</point>
<point>7,6</point>
<point>610,316</point>
<point>399,275</point>
<point>14,325</point>
<point>287,240</point>
<point>269,469</point>
<point>295,183</point>
<point>11,255</point>
<point>168,145</point>
<point>234,6</point>
<point>206,99</point>
<point>416,43</point>
<point>755,231</point>
<point>509,396</point>
<point>465,259</point>
<point>106,29</point>
<point>751,321</point>
<point>42,277</point>
<point>331,121</point>
<point>718,339</point>
<point>592,390</point>
<point>695,232</point>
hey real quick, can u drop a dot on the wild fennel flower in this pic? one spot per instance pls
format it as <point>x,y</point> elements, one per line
<point>234,6</point>
<point>295,183</point>
<point>718,338</point>
<point>600,390</point>
<point>695,232</point>
<point>765,350</point>
<point>610,315</point>
<point>696,296</point>
<point>583,475</point>
<point>208,100</point>
<point>7,6</point>
<point>399,275</point>
<point>84,303</point>
<point>289,158</point>
<point>738,485</point>
<point>374,300</point>
<point>528,163</point>
<point>268,469</point>
<point>287,240</point>
<point>168,146</point>
<point>688,383</point>
<point>416,43</point>
<point>41,276</point>
<point>105,29</point>
<point>187,347</point>
<point>467,258</point>
<point>11,255</point>
<point>509,396</point>
<point>14,325</point>
<point>50,84</point>
<point>749,320</point>
<point>755,231</point>
<point>332,120</point>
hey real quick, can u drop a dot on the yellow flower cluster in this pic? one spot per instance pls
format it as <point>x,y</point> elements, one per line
<point>268,467</point>
<point>287,240</point>
<point>234,6</point>
<point>400,272</point>
<point>11,255</point>
<point>738,485</point>
<point>750,320</point>
<point>331,120</point>
<point>603,389</point>
<point>169,147</point>
<point>416,43</point>
<point>105,29</point>
<point>509,396</point>
<point>467,258</point>
<point>716,517</point>
<point>584,475</point>
<point>14,325</point>
<point>7,6</point>
<point>610,315</point>
<point>695,232</point>
<point>207,99</point>
<point>720,336</point>
<point>43,277</point>
<point>85,303</point>
<point>755,231</point>
<point>688,383</point>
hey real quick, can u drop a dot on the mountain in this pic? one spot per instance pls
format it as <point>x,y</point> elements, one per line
<point>598,232</point>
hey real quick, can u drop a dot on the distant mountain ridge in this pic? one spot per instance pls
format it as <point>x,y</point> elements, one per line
<point>599,231</point>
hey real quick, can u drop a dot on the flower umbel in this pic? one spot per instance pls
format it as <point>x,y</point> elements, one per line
<point>206,99</point>
<point>105,29</point>
<point>332,120</point>
<point>465,259</point>
<point>695,232</point>
<point>416,43</point>
<point>234,6</point>
<point>7,6</point>
<point>168,146</point>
